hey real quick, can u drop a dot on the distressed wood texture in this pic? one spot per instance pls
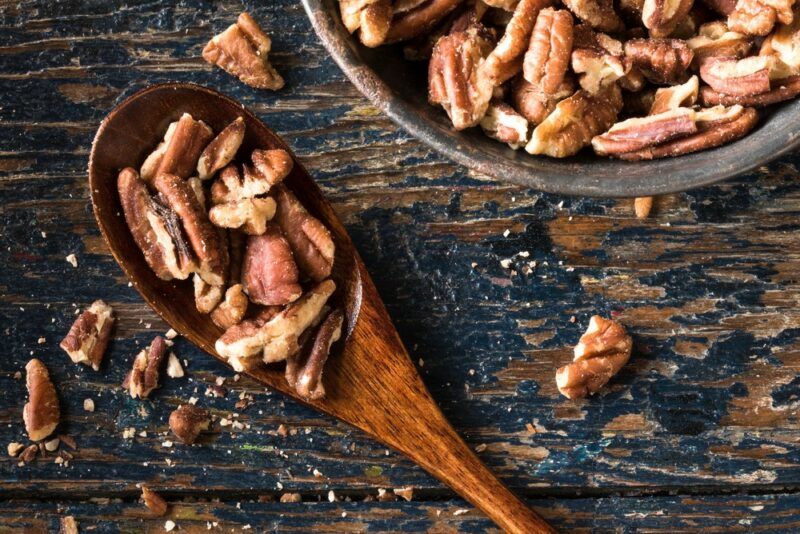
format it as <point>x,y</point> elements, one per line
<point>708,286</point>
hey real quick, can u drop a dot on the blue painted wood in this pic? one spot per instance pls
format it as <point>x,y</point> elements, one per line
<point>708,287</point>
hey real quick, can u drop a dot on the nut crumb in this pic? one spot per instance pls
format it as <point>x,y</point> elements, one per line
<point>154,501</point>
<point>88,405</point>
<point>41,341</point>
<point>406,493</point>
<point>171,334</point>
<point>291,497</point>
<point>169,525</point>
<point>15,448</point>
<point>68,523</point>
<point>52,445</point>
<point>461,511</point>
<point>174,369</point>
<point>72,260</point>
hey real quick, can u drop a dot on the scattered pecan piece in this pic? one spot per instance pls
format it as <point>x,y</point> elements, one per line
<point>88,338</point>
<point>187,421</point>
<point>243,51</point>
<point>15,448</point>
<point>503,123</point>
<point>661,17</point>
<point>269,273</point>
<point>206,296</point>
<point>662,61</point>
<point>574,122</point>
<point>410,23</point>
<point>143,376</point>
<point>312,244</point>
<point>249,214</point>
<point>68,525</point>
<point>308,377</point>
<point>547,59</point>
<point>221,150</point>
<point>232,310</point>
<point>211,253</point>
<point>641,132</point>
<point>534,105</point>
<point>709,135</point>
<point>504,61</point>
<point>155,229</point>
<point>275,335</point>
<point>599,355</point>
<point>453,79</point>
<point>715,39</point>
<point>179,151</point>
<point>30,453</point>
<point>676,96</point>
<point>599,14</point>
<point>738,77</point>
<point>154,502</point>
<point>42,411</point>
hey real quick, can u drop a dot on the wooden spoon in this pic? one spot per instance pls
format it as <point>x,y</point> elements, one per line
<point>370,379</point>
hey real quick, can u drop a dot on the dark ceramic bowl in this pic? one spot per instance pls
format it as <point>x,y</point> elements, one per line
<point>399,89</point>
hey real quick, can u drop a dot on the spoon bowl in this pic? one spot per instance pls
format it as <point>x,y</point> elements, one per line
<point>370,380</point>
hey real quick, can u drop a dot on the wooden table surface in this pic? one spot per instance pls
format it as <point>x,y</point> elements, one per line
<point>699,431</point>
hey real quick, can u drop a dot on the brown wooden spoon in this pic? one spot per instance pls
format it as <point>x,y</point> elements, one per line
<point>370,379</point>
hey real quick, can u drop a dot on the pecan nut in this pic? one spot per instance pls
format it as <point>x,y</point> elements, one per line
<point>187,421</point>
<point>781,90</point>
<point>715,39</point>
<point>599,14</point>
<point>179,151</point>
<point>420,19</point>
<point>88,338</point>
<point>221,150</point>
<point>505,60</point>
<point>274,336</point>
<point>661,17</point>
<point>268,168</point>
<point>574,122</point>
<point>758,17</point>
<point>311,242</point>
<point>206,296</point>
<point>503,123</point>
<point>243,51</point>
<point>547,59</point>
<point>372,17</point>
<point>233,309</point>
<point>269,272</point>
<point>662,61</point>
<point>142,379</point>
<point>206,243</point>
<point>42,412</point>
<point>453,76</point>
<point>784,43</point>
<point>739,77</point>
<point>641,132</point>
<point>249,214</point>
<point>601,352</point>
<point>676,96</point>
<point>710,134</point>
<point>533,104</point>
<point>599,59</point>
<point>308,378</point>
<point>155,229</point>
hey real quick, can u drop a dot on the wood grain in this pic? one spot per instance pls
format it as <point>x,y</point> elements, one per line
<point>708,286</point>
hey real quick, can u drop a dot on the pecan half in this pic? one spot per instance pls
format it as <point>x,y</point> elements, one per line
<point>740,77</point>
<point>503,123</point>
<point>274,336</point>
<point>308,381</point>
<point>143,376</point>
<point>661,17</point>
<point>243,51</point>
<point>599,355</point>
<point>638,133</point>
<point>574,122</point>
<point>709,135</point>
<point>206,296</point>
<point>312,244</point>
<point>249,214</point>
<point>155,229</point>
<point>232,310</point>
<point>88,338</point>
<point>372,17</point>
<point>269,167</point>
<point>547,59</point>
<point>598,69</point>
<point>534,105</point>
<point>179,151</point>
<point>42,412</point>
<point>783,89</point>
<point>154,502</point>
<point>221,150</point>
<point>715,39</point>
<point>676,96</point>
<point>502,63</point>
<point>208,247</point>
<point>599,14</point>
<point>453,79</point>
<point>662,61</point>
<point>421,19</point>
<point>187,421</point>
<point>269,273</point>
<point>758,17</point>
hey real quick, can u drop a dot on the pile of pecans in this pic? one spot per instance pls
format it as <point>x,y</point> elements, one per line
<point>633,79</point>
<point>259,262</point>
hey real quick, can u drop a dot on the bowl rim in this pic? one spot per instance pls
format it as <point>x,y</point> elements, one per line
<point>609,178</point>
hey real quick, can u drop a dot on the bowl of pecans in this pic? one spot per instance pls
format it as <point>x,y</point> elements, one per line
<point>631,98</point>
